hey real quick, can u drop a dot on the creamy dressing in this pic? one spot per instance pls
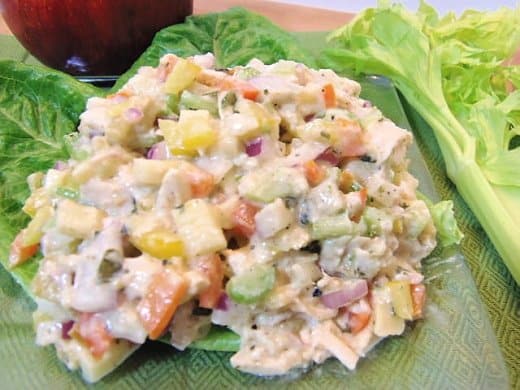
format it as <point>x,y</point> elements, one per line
<point>274,188</point>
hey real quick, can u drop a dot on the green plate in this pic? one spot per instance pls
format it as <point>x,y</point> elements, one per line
<point>453,347</point>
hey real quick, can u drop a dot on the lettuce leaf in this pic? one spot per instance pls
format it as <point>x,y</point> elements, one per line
<point>38,106</point>
<point>443,215</point>
<point>450,70</point>
<point>235,37</point>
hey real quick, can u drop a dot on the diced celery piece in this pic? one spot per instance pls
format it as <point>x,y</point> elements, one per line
<point>253,285</point>
<point>182,75</point>
<point>191,101</point>
<point>66,192</point>
<point>377,221</point>
<point>172,104</point>
<point>198,225</point>
<point>265,185</point>
<point>333,226</point>
<point>77,220</point>
<point>401,298</point>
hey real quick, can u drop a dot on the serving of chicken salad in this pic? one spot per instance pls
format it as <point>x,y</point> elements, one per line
<point>267,199</point>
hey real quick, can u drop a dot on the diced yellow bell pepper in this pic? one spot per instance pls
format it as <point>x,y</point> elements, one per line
<point>193,132</point>
<point>173,138</point>
<point>196,130</point>
<point>34,231</point>
<point>160,243</point>
<point>401,298</point>
<point>182,75</point>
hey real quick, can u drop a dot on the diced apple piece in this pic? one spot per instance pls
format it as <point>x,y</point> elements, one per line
<point>273,218</point>
<point>198,225</point>
<point>182,75</point>
<point>77,220</point>
<point>386,322</point>
<point>151,172</point>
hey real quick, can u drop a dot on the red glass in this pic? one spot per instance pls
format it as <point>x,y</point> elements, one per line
<point>90,37</point>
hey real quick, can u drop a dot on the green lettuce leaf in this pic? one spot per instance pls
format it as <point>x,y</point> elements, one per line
<point>38,106</point>
<point>443,215</point>
<point>218,339</point>
<point>450,70</point>
<point>234,37</point>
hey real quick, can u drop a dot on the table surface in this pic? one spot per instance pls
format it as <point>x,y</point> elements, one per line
<point>298,18</point>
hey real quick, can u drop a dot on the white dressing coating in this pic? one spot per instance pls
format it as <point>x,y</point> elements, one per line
<point>272,188</point>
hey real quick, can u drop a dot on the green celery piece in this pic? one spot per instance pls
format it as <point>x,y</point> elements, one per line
<point>253,285</point>
<point>332,226</point>
<point>191,101</point>
<point>235,37</point>
<point>425,57</point>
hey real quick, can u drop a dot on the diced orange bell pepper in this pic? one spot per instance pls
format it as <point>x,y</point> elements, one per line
<point>247,90</point>
<point>156,309</point>
<point>19,253</point>
<point>358,321</point>
<point>314,173</point>
<point>418,299</point>
<point>243,218</point>
<point>363,197</point>
<point>201,182</point>
<point>329,96</point>
<point>211,266</point>
<point>93,330</point>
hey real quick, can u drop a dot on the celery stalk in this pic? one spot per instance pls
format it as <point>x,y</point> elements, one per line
<point>450,70</point>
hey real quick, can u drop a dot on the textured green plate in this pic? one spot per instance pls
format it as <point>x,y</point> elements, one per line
<point>454,347</point>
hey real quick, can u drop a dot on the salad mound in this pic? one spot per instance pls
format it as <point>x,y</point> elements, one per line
<point>267,199</point>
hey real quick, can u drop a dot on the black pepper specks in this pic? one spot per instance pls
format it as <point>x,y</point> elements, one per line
<point>367,158</point>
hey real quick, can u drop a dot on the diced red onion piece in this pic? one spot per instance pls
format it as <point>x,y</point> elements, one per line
<point>223,302</point>
<point>367,104</point>
<point>254,147</point>
<point>65,329</point>
<point>133,114</point>
<point>309,117</point>
<point>157,152</point>
<point>329,156</point>
<point>345,296</point>
<point>60,165</point>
